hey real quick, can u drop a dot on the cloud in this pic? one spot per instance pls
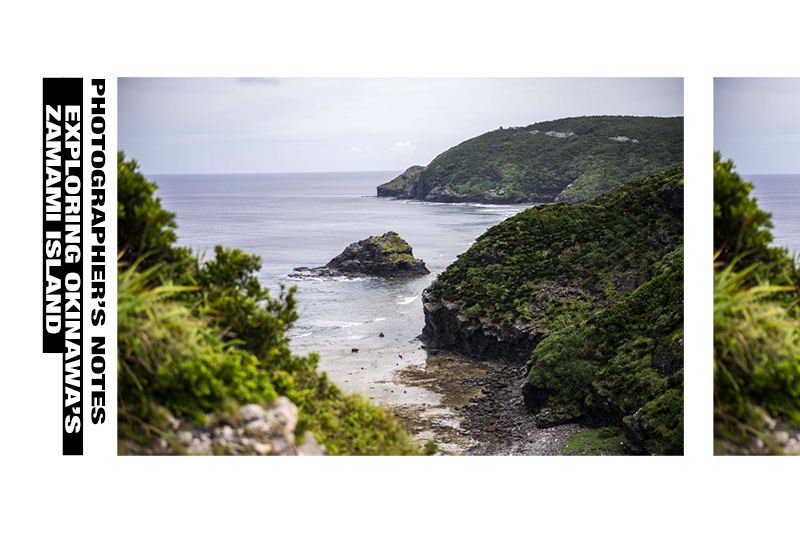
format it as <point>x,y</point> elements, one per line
<point>403,148</point>
<point>185,125</point>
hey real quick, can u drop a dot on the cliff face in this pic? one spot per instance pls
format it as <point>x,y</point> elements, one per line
<point>567,160</point>
<point>590,298</point>
<point>410,185</point>
<point>448,327</point>
<point>405,185</point>
<point>386,256</point>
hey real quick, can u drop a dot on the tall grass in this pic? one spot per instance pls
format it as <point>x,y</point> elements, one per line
<point>756,355</point>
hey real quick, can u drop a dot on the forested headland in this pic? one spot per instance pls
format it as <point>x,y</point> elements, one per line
<point>570,159</point>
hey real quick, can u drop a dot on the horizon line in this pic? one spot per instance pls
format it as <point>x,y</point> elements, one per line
<point>270,172</point>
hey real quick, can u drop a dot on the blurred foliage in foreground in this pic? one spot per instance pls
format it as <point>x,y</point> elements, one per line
<point>200,337</point>
<point>756,327</point>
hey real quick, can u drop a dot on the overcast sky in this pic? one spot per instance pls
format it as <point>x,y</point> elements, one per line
<point>228,125</point>
<point>757,124</point>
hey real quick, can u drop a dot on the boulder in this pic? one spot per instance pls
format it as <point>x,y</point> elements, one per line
<point>387,256</point>
<point>405,186</point>
<point>255,431</point>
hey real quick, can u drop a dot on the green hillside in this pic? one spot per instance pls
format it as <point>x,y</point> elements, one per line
<point>571,159</point>
<point>603,281</point>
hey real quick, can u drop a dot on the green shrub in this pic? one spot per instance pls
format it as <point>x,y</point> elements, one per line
<point>756,354</point>
<point>167,356</point>
<point>144,228</point>
<point>665,416</point>
<point>756,327</point>
<point>230,291</point>
<point>741,229</point>
<point>559,364</point>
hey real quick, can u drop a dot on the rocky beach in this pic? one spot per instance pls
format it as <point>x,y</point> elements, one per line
<point>481,411</point>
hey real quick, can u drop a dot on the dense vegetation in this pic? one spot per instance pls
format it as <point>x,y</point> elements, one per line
<point>756,327</point>
<point>605,279</point>
<point>525,164</point>
<point>200,337</point>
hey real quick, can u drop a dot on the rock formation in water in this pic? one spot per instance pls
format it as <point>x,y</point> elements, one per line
<point>387,256</point>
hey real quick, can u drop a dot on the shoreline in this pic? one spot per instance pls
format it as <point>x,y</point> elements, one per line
<point>482,412</point>
<point>467,406</point>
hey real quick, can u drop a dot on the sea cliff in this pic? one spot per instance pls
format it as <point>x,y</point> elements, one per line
<point>589,298</point>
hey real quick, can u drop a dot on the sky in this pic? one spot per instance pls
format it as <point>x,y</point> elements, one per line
<point>251,125</point>
<point>757,124</point>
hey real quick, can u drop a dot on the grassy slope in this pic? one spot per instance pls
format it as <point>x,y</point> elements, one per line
<point>626,344</point>
<point>536,167</point>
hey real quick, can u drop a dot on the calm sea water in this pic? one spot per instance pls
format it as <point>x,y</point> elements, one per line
<point>780,195</point>
<point>306,219</point>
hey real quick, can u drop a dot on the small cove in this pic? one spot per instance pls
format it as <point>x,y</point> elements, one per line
<point>305,219</point>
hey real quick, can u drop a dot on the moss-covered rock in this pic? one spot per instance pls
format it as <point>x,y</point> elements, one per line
<point>387,256</point>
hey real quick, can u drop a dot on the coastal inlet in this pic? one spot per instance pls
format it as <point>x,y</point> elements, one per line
<point>304,220</point>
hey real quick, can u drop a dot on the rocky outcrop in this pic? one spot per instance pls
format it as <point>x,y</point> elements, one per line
<point>405,186</point>
<point>564,196</point>
<point>673,200</point>
<point>446,195</point>
<point>410,186</point>
<point>254,430</point>
<point>448,327</point>
<point>387,256</point>
<point>547,409</point>
<point>637,433</point>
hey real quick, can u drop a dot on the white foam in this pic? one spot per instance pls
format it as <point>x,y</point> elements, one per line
<point>405,301</point>
<point>338,324</point>
<point>324,279</point>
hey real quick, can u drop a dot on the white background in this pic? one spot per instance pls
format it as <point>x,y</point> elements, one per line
<point>100,491</point>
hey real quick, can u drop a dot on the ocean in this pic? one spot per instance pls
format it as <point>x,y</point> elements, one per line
<point>304,220</point>
<point>780,195</point>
